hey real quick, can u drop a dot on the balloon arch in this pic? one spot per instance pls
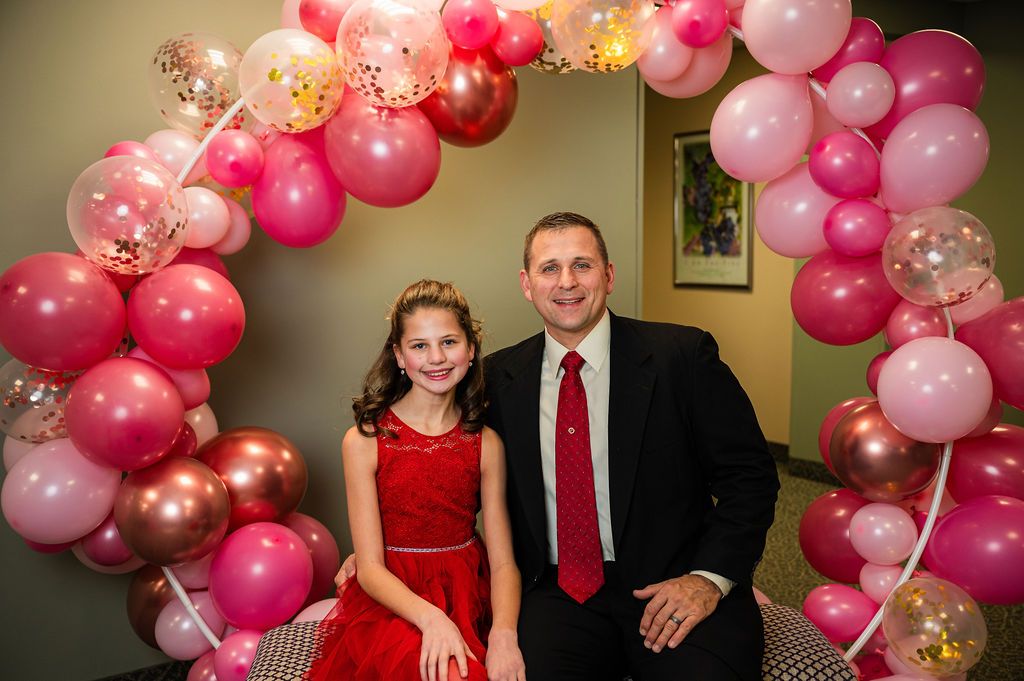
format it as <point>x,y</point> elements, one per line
<point>353,98</point>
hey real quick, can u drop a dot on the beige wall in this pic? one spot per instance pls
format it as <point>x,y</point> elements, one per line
<point>315,317</point>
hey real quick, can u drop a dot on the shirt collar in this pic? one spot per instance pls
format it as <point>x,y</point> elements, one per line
<point>593,349</point>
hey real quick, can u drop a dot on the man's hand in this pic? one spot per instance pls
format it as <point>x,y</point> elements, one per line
<point>676,607</point>
<point>346,573</point>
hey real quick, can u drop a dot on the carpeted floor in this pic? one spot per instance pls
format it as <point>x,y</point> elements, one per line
<point>786,578</point>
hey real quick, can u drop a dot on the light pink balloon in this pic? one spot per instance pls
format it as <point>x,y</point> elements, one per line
<point>795,36</point>
<point>15,450</point>
<point>193,384</point>
<point>208,217</point>
<point>55,495</point>
<point>195,574</point>
<point>909,321</point>
<point>760,597</point>
<point>234,158</point>
<point>856,227</point>
<point>876,581</point>
<point>131,148</point>
<point>934,389</point>
<point>706,68</point>
<point>839,611</point>
<point>104,545</point>
<point>844,165</point>
<point>824,122</point>
<point>203,422</point>
<point>699,23</point>
<point>317,611</point>
<point>665,58</point>
<point>860,94</point>
<point>761,128</point>
<point>174,148</point>
<point>875,368</point>
<point>176,632</point>
<point>989,296</point>
<point>470,24</point>
<point>883,534</point>
<point>235,656</point>
<point>238,232</point>
<point>790,214</point>
<point>864,43</point>
<point>933,156</point>
<point>202,669</point>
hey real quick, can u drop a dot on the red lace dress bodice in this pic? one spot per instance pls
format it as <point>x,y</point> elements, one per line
<point>428,491</point>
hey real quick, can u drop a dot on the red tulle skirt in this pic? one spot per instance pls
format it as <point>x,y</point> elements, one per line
<point>364,641</point>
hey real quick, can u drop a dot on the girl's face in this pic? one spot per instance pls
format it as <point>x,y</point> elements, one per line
<point>434,350</point>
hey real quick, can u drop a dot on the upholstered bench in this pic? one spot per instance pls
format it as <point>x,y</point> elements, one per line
<point>794,650</point>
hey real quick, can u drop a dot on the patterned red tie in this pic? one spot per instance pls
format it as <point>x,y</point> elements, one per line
<point>580,570</point>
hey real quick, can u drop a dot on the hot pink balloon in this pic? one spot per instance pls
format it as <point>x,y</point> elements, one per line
<point>933,156</point>
<point>988,297</point>
<point>844,165</point>
<point>883,534</point>
<point>323,549</point>
<point>706,68</point>
<point>930,67</point>
<point>876,581</point>
<point>698,23</point>
<point>297,200</point>
<point>839,611</point>
<point>778,32</point>
<point>979,546</point>
<point>990,464</point>
<point>208,217</point>
<point>202,669</point>
<point>235,656</point>
<point>55,495</point>
<point>186,317</point>
<point>790,214</point>
<point>260,576</point>
<point>864,43</point>
<point>204,257</point>
<point>761,128</point>
<point>909,321</point>
<point>934,389</point>
<point>193,384</point>
<point>518,39</point>
<point>321,18</point>
<point>856,227</point>
<point>841,300</point>
<point>383,157</point>
<point>470,24</point>
<point>665,58</point>
<point>998,337</point>
<point>828,424</point>
<point>104,545</point>
<point>131,148</point>
<point>860,94</point>
<point>178,635</point>
<point>48,548</point>
<point>825,535</point>
<point>875,368</point>
<point>59,312</point>
<point>234,158</point>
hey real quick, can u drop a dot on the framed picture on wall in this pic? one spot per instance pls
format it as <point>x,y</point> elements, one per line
<point>712,231</point>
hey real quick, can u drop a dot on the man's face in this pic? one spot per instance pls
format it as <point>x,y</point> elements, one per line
<point>567,282</point>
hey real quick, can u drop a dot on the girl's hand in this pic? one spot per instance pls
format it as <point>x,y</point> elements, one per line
<point>442,640</point>
<point>504,659</point>
<point>345,574</point>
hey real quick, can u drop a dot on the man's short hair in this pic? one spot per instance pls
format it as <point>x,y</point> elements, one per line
<point>559,221</point>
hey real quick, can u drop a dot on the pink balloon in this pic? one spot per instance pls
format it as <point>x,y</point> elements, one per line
<point>778,32</point>
<point>131,148</point>
<point>235,655</point>
<point>761,128</point>
<point>186,317</point>
<point>48,548</point>
<point>59,312</point>
<point>203,422</point>
<point>204,257</point>
<point>518,39</point>
<point>260,575</point>
<point>665,57</point>
<point>297,201</point>
<point>323,550</point>
<point>383,157</point>
<point>105,546</point>
<point>234,158</point>
<point>933,156</point>
<point>841,300</point>
<point>845,165</point>
<point>790,214</point>
<point>202,669</point>
<point>930,67</point>
<point>707,66</point>
<point>856,227</point>
<point>828,424</point>
<point>176,632</point>
<point>875,368</point>
<point>470,24</point>
<point>991,420</point>
<point>864,43</point>
<point>877,581</point>
<point>825,535</point>
<point>883,534</point>
<point>989,296</point>
<point>55,495</point>
<point>173,149</point>
<point>934,389</point>
<point>195,574</point>
<point>909,321</point>
<point>992,464</point>
<point>193,384</point>
<point>15,450</point>
<point>839,611</point>
<point>132,564</point>
<point>208,217</point>
<point>979,546</point>
<point>317,611</point>
<point>698,23</point>
<point>860,94</point>
<point>239,230</point>
<point>824,122</point>
<point>998,337</point>
<point>124,413</point>
<point>321,18</point>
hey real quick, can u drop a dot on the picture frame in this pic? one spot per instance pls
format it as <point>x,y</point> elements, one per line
<point>712,244</point>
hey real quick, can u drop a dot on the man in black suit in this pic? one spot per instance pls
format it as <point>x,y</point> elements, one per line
<point>645,568</point>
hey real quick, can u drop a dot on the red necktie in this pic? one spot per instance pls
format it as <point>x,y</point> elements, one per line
<point>580,570</point>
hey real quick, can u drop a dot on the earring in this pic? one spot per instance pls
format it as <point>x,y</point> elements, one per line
<point>402,371</point>
<point>470,362</point>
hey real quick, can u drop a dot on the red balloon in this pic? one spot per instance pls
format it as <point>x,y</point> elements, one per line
<point>998,337</point>
<point>321,17</point>
<point>874,369</point>
<point>186,444</point>
<point>909,321</point>
<point>59,312</point>
<point>204,257</point>
<point>519,38</point>
<point>323,549</point>
<point>990,464</point>
<point>829,424</point>
<point>476,98</point>
<point>825,535</point>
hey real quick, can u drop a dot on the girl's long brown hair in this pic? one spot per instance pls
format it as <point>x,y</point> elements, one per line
<point>385,384</point>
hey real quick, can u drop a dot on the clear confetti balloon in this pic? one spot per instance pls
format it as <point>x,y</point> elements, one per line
<point>393,52</point>
<point>602,36</point>
<point>128,214</point>
<point>550,59</point>
<point>32,401</point>
<point>934,627</point>
<point>938,256</point>
<point>290,80</point>
<point>193,80</point>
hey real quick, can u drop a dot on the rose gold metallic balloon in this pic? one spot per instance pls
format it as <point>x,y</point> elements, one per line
<point>877,461</point>
<point>476,98</point>
<point>263,471</point>
<point>148,593</point>
<point>172,512</point>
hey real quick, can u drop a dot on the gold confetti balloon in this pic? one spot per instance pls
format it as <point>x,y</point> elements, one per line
<point>550,59</point>
<point>394,52</point>
<point>32,407</point>
<point>602,36</point>
<point>934,627</point>
<point>193,81</point>
<point>290,80</point>
<point>128,214</point>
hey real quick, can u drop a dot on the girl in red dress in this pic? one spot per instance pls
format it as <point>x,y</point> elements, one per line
<point>419,465</point>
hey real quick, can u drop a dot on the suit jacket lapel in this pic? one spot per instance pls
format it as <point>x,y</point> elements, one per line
<point>631,388</point>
